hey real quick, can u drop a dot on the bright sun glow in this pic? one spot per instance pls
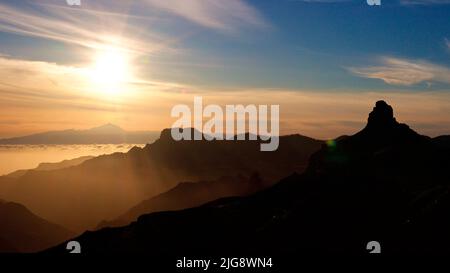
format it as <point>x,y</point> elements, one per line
<point>111,70</point>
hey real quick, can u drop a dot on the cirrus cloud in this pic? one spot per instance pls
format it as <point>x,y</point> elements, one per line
<point>406,72</point>
<point>216,14</point>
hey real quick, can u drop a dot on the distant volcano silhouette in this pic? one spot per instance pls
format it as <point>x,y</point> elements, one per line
<point>385,183</point>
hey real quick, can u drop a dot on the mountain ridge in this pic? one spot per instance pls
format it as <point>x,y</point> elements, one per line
<point>23,231</point>
<point>384,183</point>
<point>45,166</point>
<point>106,186</point>
<point>189,194</point>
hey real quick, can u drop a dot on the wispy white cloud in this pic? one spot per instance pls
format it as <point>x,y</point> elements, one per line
<point>84,27</point>
<point>222,15</point>
<point>127,25</point>
<point>41,84</point>
<point>404,72</point>
<point>94,24</point>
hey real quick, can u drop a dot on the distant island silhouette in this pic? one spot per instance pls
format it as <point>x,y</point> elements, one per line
<point>105,134</point>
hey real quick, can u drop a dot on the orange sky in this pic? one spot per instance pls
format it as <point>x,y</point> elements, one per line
<point>40,96</point>
<point>106,62</point>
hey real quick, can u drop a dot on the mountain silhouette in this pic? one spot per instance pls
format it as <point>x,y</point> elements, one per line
<point>442,141</point>
<point>52,166</point>
<point>22,231</point>
<point>107,128</point>
<point>189,194</point>
<point>105,134</point>
<point>385,183</point>
<point>107,186</point>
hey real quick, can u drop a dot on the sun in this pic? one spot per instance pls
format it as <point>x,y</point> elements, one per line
<point>111,70</point>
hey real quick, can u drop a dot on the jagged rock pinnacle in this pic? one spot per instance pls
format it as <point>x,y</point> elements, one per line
<point>382,115</point>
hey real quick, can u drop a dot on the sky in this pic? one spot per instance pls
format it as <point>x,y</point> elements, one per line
<point>325,62</point>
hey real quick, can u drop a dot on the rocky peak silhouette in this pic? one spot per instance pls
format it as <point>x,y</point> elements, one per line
<point>383,130</point>
<point>383,139</point>
<point>381,116</point>
<point>166,134</point>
